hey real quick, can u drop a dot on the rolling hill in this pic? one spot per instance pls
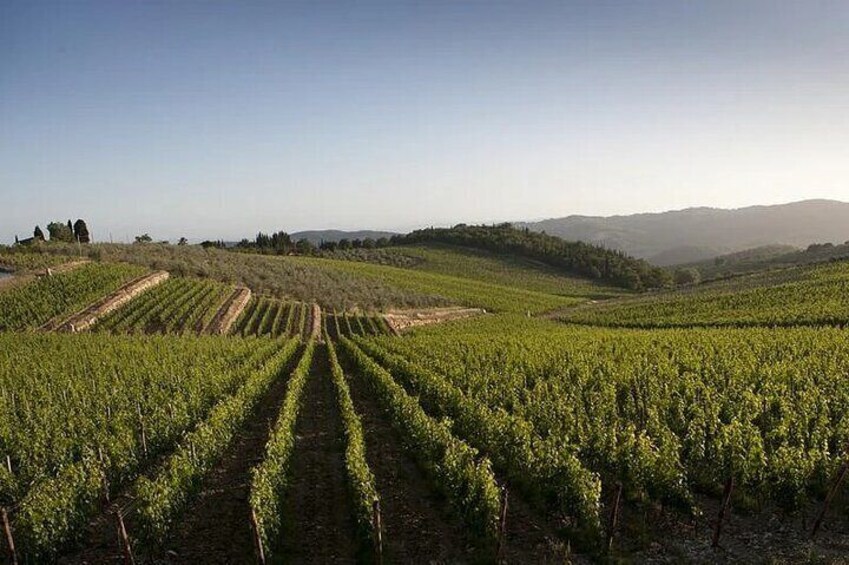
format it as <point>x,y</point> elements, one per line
<point>697,234</point>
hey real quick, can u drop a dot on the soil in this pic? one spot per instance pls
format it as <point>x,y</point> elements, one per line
<point>320,525</point>
<point>418,526</point>
<point>229,311</point>
<point>652,534</point>
<point>400,320</point>
<point>216,526</point>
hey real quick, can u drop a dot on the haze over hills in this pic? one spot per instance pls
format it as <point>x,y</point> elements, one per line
<point>696,234</point>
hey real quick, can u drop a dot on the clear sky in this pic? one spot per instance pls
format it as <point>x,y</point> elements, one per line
<point>217,119</point>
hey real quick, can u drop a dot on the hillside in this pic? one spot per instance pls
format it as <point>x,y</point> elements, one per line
<point>696,234</point>
<point>769,257</point>
<point>477,264</point>
<point>812,295</point>
<point>317,236</point>
<point>310,420</point>
<point>576,258</point>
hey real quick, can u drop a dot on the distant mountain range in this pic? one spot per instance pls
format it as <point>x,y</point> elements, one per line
<point>317,236</point>
<point>697,234</point>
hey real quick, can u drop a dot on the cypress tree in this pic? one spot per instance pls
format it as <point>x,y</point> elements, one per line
<point>81,231</point>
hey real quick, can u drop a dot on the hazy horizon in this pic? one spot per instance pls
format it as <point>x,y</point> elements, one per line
<point>218,120</point>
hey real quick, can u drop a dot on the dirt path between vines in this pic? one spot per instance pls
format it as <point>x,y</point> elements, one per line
<point>531,536</point>
<point>319,524</point>
<point>216,527</point>
<point>417,524</point>
<point>229,311</point>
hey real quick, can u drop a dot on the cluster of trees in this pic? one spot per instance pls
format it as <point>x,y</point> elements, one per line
<point>345,244</point>
<point>593,261</point>
<point>278,243</point>
<point>60,231</point>
<point>281,243</point>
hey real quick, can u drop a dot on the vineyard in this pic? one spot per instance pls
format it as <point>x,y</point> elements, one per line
<point>32,305</point>
<point>484,437</point>
<point>265,316</point>
<point>350,325</point>
<point>802,296</point>
<point>179,305</point>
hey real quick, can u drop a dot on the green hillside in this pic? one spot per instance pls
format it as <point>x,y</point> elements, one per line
<point>810,295</point>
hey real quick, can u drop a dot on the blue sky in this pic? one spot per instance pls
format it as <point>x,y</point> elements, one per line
<point>214,119</point>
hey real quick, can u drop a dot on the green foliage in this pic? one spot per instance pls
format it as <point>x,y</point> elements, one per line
<point>81,232</point>
<point>23,259</point>
<point>452,290</point>
<point>286,278</point>
<point>270,479</point>
<point>351,325</point>
<point>162,498</point>
<point>684,276</point>
<point>545,468</point>
<point>60,232</point>
<point>264,316</point>
<point>662,411</point>
<point>482,265</point>
<point>179,305</point>
<point>799,296</point>
<point>360,477</point>
<point>33,304</point>
<point>574,257</point>
<point>465,478</point>
<point>74,409</point>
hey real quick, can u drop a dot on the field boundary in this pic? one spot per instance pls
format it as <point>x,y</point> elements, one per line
<point>21,277</point>
<point>229,311</point>
<point>400,320</point>
<point>89,316</point>
<point>315,324</point>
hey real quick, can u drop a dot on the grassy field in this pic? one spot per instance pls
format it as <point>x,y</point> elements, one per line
<point>24,261</point>
<point>484,266</point>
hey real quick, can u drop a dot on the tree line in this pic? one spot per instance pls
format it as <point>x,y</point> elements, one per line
<point>60,231</point>
<point>281,243</point>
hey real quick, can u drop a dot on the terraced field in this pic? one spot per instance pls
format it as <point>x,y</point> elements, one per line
<point>265,316</point>
<point>32,305</point>
<point>180,305</point>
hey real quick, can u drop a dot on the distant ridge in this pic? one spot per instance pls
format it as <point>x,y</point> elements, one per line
<point>697,234</point>
<point>317,236</point>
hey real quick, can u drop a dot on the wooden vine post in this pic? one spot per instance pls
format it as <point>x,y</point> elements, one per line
<point>841,475</point>
<point>502,527</point>
<point>614,516</point>
<point>376,527</point>
<point>726,499</point>
<point>123,537</point>
<point>260,552</point>
<point>142,429</point>
<point>10,541</point>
